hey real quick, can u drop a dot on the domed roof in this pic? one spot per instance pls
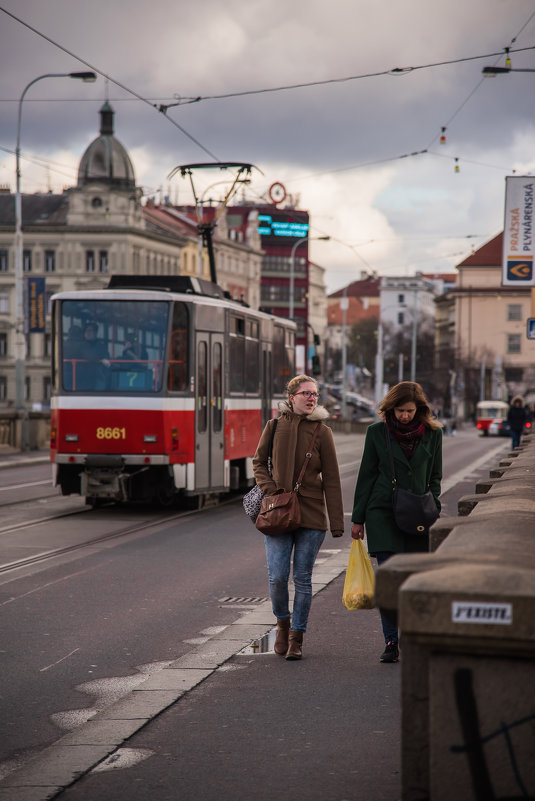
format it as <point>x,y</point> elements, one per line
<point>106,160</point>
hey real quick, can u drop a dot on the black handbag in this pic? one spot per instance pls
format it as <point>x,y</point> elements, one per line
<point>413,513</point>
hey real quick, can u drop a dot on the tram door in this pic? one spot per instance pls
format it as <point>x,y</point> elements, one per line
<point>267,384</point>
<point>209,422</point>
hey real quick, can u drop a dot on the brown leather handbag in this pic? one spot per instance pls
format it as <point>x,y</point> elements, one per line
<point>280,513</point>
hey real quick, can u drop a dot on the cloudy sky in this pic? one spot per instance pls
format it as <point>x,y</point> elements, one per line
<point>346,142</point>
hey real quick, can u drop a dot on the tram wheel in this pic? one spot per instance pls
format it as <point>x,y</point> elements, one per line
<point>165,496</point>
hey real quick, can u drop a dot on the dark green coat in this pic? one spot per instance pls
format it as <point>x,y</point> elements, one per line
<point>373,493</point>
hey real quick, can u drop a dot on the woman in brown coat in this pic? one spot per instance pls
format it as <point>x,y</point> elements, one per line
<point>321,488</point>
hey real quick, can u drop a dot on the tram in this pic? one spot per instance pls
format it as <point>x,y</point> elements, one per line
<point>161,386</point>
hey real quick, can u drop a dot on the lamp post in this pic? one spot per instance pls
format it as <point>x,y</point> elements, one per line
<point>292,268</point>
<point>20,337</point>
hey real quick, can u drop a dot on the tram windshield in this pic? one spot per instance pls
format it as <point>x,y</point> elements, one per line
<point>113,345</point>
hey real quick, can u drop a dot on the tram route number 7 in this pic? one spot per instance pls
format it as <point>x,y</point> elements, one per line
<point>111,433</point>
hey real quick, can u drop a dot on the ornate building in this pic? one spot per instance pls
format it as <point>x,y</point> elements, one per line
<point>76,240</point>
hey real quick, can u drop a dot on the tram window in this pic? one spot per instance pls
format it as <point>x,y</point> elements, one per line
<point>237,354</point>
<point>177,379</point>
<point>282,360</point>
<point>202,388</point>
<point>217,387</point>
<point>252,357</point>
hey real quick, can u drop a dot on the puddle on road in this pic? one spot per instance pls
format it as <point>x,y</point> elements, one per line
<point>123,758</point>
<point>262,646</point>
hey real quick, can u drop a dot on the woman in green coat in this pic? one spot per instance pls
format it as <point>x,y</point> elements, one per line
<point>416,439</point>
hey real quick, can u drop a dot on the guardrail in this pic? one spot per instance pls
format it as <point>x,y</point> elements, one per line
<point>11,430</point>
<point>467,622</point>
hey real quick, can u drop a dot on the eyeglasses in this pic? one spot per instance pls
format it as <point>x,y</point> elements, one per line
<point>308,395</point>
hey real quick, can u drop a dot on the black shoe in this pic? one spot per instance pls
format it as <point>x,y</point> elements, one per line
<point>391,653</point>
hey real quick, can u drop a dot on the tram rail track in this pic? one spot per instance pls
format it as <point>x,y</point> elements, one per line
<point>124,531</point>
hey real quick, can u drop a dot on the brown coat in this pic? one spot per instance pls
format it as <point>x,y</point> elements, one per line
<point>321,484</point>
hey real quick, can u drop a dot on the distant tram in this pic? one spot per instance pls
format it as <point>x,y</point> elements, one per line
<point>160,388</point>
<point>489,410</point>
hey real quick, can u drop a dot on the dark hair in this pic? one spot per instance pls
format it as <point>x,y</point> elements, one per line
<point>409,392</point>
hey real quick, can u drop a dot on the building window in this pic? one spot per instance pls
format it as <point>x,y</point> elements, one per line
<point>48,345</point>
<point>103,261</point>
<point>3,344</point>
<point>4,303</point>
<point>27,261</point>
<point>401,318</point>
<point>90,261</point>
<point>50,261</point>
<point>401,298</point>
<point>3,388</point>
<point>514,343</point>
<point>4,261</point>
<point>514,311</point>
<point>27,388</point>
<point>46,388</point>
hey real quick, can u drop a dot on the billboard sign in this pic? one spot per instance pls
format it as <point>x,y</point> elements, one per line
<point>279,226</point>
<point>519,232</point>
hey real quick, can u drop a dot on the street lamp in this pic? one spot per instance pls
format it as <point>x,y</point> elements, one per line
<point>292,268</point>
<point>20,338</point>
<point>491,72</point>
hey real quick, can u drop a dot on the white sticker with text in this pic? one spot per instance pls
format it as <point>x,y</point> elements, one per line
<point>481,612</point>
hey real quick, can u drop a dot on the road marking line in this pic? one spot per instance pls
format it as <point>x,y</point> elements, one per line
<point>463,474</point>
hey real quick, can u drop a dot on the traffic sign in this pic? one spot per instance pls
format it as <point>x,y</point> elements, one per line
<point>530,328</point>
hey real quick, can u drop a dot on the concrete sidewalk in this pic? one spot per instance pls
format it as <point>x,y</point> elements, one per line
<point>12,458</point>
<point>218,724</point>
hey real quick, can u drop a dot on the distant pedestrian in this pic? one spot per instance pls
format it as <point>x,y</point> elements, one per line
<point>416,440</point>
<point>516,417</point>
<point>320,493</point>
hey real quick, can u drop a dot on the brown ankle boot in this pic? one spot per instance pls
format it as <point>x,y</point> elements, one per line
<point>281,640</point>
<point>295,641</point>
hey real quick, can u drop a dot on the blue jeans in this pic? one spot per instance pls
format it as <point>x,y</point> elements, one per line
<point>389,622</point>
<point>515,438</point>
<point>305,544</point>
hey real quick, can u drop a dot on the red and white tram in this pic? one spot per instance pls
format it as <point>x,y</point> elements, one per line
<point>161,387</point>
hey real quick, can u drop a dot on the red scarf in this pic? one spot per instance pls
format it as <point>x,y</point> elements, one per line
<point>408,434</point>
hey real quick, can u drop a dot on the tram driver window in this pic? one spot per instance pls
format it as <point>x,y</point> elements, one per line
<point>178,351</point>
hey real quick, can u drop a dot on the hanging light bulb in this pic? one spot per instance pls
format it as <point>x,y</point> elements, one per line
<point>443,136</point>
<point>507,59</point>
<point>457,169</point>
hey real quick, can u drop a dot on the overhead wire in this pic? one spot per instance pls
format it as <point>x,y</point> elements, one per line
<point>112,80</point>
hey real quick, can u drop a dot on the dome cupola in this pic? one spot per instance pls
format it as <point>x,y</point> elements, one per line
<point>106,160</point>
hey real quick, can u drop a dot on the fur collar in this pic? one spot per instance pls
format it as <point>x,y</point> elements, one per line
<point>319,413</point>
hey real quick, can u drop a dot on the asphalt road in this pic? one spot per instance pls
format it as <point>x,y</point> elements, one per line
<point>83,629</point>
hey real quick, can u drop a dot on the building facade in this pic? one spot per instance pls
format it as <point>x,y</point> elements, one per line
<point>99,227</point>
<point>481,333</point>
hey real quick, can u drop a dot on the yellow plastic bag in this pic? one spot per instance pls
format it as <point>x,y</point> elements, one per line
<point>359,586</point>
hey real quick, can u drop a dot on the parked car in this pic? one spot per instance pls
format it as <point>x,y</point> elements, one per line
<point>499,428</point>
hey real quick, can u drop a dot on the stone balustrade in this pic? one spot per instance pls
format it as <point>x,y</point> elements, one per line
<point>467,622</point>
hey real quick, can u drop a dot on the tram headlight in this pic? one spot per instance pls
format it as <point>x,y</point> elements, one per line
<point>71,437</point>
<point>150,438</point>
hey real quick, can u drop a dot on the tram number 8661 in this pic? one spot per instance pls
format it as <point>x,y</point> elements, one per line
<point>111,433</point>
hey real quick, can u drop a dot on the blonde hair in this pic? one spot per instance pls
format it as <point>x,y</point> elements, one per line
<point>407,392</point>
<point>292,387</point>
